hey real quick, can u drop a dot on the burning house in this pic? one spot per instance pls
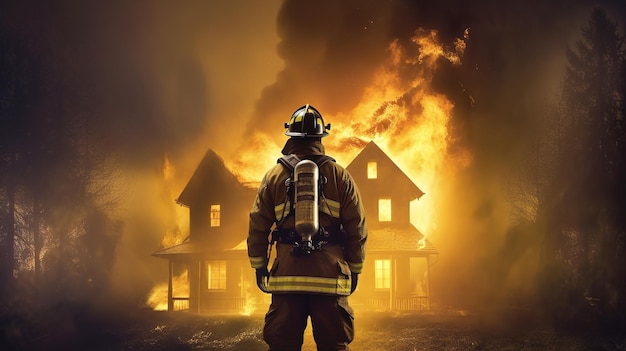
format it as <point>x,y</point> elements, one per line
<point>398,256</point>
<point>214,256</point>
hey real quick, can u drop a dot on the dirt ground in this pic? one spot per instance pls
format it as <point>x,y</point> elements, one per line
<point>162,331</point>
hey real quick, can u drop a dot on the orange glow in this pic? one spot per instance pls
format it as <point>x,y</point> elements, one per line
<point>157,299</point>
<point>382,274</point>
<point>250,305</point>
<point>384,210</point>
<point>216,275</point>
<point>215,215</point>
<point>401,113</point>
<point>176,233</point>
<point>406,119</point>
<point>257,157</point>
<point>372,170</point>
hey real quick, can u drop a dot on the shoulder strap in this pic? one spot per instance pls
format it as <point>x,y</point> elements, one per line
<point>322,160</point>
<point>289,161</point>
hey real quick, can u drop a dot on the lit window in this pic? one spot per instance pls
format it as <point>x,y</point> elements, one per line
<point>372,170</point>
<point>382,274</point>
<point>215,215</point>
<point>384,210</point>
<point>216,274</point>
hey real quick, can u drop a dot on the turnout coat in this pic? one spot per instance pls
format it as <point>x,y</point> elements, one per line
<point>324,271</point>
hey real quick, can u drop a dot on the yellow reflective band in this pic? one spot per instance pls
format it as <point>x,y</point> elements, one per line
<point>330,207</point>
<point>355,267</point>
<point>282,210</point>
<point>297,118</point>
<point>257,262</point>
<point>335,286</point>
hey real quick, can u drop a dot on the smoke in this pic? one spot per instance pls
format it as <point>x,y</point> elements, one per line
<point>176,79</point>
<point>512,70</point>
<point>152,80</point>
<point>163,78</point>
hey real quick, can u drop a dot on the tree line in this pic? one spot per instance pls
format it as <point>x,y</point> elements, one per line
<point>57,235</point>
<point>569,194</point>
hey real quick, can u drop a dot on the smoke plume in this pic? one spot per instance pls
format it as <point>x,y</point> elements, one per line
<point>512,69</point>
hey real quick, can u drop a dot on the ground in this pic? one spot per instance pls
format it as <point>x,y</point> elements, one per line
<point>380,331</point>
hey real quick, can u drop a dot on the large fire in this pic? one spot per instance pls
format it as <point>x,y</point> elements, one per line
<point>177,233</point>
<point>157,299</point>
<point>400,112</point>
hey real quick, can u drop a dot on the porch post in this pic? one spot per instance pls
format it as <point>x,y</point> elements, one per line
<point>199,287</point>
<point>392,283</point>
<point>170,301</point>
<point>428,282</point>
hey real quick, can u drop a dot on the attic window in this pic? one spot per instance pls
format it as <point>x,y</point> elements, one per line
<point>215,215</point>
<point>372,170</point>
<point>384,210</point>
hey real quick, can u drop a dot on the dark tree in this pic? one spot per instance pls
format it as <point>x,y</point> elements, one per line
<point>585,238</point>
<point>56,234</point>
<point>20,92</point>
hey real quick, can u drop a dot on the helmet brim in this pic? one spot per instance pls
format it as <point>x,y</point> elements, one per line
<point>305,135</point>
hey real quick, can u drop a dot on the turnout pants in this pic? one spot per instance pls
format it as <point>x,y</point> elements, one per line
<point>332,320</point>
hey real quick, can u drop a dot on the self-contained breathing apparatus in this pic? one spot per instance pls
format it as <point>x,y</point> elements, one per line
<point>305,195</point>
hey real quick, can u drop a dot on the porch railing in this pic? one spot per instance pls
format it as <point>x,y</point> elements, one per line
<point>180,304</point>
<point>413,303</point>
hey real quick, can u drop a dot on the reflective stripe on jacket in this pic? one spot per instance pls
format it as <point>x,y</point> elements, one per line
<point>339,286</point>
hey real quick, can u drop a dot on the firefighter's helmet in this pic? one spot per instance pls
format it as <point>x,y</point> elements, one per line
<point>307,122</point>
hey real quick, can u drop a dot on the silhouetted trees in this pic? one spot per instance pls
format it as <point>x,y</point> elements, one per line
<point>583,220</point>
<point>57,238</point>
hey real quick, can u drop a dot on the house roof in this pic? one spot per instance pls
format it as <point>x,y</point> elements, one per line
<point>210,179</point>
<point>395,240</point>
<point>192,248</point>
<point>374,152</point>
<point>186,248</point>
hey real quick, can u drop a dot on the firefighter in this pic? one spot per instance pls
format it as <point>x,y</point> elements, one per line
<point>312,274</point>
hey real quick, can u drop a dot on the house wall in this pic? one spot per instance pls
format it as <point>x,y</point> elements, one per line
<point>232,228</point>
<point>374,189</point>
<point>400,204</point>
<point>241,293</point>
<point>402,294</point>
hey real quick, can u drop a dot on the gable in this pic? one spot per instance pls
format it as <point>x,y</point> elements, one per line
<point>211,181</point>
<point>388,173</point>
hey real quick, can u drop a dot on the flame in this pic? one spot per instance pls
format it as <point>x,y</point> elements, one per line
<point>258,156</point>
<point>250,305</point>
<point>176,233</point>
<point>400,111</point>
<point>403,115</point>
<point>157,299</point>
